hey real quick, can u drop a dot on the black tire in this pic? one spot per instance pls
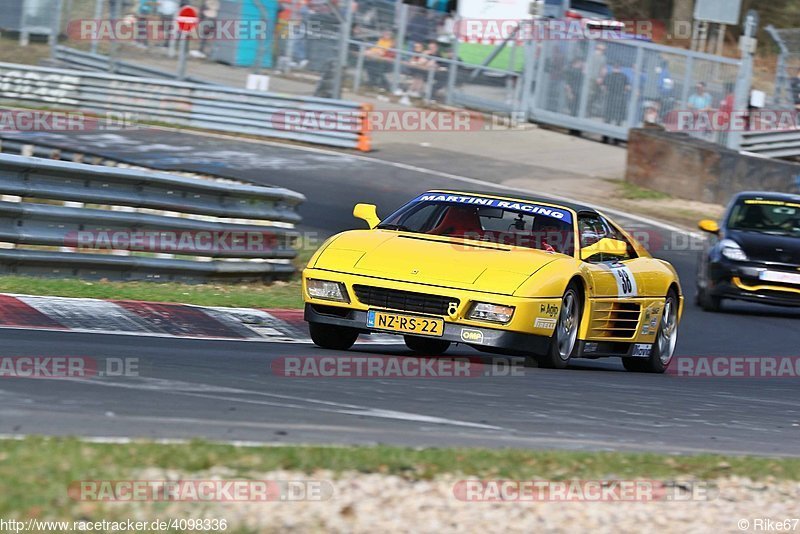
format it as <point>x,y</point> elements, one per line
<point>666,338</point>
<point>708,302</point>
<point>332,337</point>
<point>564,343</point>
<point>426,346</point>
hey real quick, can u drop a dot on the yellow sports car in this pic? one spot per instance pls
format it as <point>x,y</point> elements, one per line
<point>551,281</point>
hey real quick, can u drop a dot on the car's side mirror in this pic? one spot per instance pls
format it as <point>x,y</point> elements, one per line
<point>605,247</point>
<point>707,225</point>
<point>368,212</point>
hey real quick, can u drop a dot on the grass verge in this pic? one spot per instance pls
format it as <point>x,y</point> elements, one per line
<point>245,295</point>
<point>35,472</point>
<point>634,192</point>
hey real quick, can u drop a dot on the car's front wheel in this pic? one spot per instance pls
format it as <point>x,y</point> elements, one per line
<point>332,337</point>
<point>666,339</point>
<point>707,301</point>
<point>564,343</point>
<point>426,346</point>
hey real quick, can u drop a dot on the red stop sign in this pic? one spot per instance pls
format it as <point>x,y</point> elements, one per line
<point>188,18</point>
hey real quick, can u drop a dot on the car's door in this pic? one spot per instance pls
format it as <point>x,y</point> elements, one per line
<point>621,275</point>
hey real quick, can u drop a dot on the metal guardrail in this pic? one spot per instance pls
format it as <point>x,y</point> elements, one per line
<point>212,107</point>
<point>772,144</point>
<point>78,59</point>
<point>47,205</point>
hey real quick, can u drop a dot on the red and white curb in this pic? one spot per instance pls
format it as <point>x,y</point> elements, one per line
<point>160,319</point>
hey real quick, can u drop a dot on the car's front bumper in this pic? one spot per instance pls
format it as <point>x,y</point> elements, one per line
<point>740,281</point>
<point>482,338</point>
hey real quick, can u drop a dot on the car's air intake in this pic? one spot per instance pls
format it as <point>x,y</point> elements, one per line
<point>403,300</point>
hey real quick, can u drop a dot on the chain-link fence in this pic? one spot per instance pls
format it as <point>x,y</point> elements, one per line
<point>608,87</point>
<point>416,55</point>
<point>787,72</point>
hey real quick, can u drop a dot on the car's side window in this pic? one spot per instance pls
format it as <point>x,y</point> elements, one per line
<point>592,228</point>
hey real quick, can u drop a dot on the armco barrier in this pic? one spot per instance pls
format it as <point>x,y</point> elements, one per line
<point>46,204</point>
<point>78,59</point>
<point>195,105</point>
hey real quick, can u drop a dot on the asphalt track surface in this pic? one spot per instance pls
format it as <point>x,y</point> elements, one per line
<point>227,391</point>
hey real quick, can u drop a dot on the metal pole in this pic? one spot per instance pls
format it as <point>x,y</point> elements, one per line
<point>452,73</point>
<point>744,78</point>
<point>55,29</point>
<point>98,13</point>
<point>24,34</point>
<point>721,39</point>
<point>344,44</point>
<point>400,46</point>
<point>182,42</point>
<point>359,68</point>
<point>112,56</point>
<point>290,34</point>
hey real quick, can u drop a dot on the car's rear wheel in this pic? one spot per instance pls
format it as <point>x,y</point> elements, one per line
<point>666,339</point>
<point>564,343</point>
<point>708,302</point>
<point>332,337</point>
<point>426,346</point>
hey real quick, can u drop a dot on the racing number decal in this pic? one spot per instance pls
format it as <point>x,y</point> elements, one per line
<point>626,283</point>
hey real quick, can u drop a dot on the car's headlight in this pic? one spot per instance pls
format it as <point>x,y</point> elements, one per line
<point>731,250</point>
<point>323,289</point>
<point>483,311</point>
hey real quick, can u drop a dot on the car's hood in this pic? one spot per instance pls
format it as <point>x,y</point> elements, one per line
<point>765,247</point>
<point>433,260</point>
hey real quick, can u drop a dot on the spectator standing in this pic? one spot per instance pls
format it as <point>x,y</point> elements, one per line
<point>573,81</point>
<point>617,89</point>
<point>701,99</point>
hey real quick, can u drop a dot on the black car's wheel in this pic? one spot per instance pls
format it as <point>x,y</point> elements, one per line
<point>332,337</point>
<point>666,339</point>
<point>426,346</point>
<point>708,302</point>
<point>564,343</point>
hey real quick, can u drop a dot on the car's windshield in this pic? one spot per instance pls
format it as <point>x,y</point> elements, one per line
<point>774,217</point>
<point>513,223</point>
<point>592,7</point>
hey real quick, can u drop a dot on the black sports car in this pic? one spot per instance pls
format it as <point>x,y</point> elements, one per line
<point>755,255</point>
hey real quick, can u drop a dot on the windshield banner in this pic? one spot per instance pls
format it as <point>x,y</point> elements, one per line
<point>511,205</point>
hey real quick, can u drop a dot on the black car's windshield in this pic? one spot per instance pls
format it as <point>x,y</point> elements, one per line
<point>774,217</point>
<point>515,223</point>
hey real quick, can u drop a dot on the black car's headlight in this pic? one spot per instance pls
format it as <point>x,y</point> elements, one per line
<point>494,313</point>
<point>324,289</point>
<point>731,250</point>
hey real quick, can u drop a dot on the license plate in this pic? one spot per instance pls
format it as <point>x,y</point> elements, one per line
<point>408,324</point>
<point>784,278</point>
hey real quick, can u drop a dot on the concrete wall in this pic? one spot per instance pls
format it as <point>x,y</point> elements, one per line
<point>697,170</point>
